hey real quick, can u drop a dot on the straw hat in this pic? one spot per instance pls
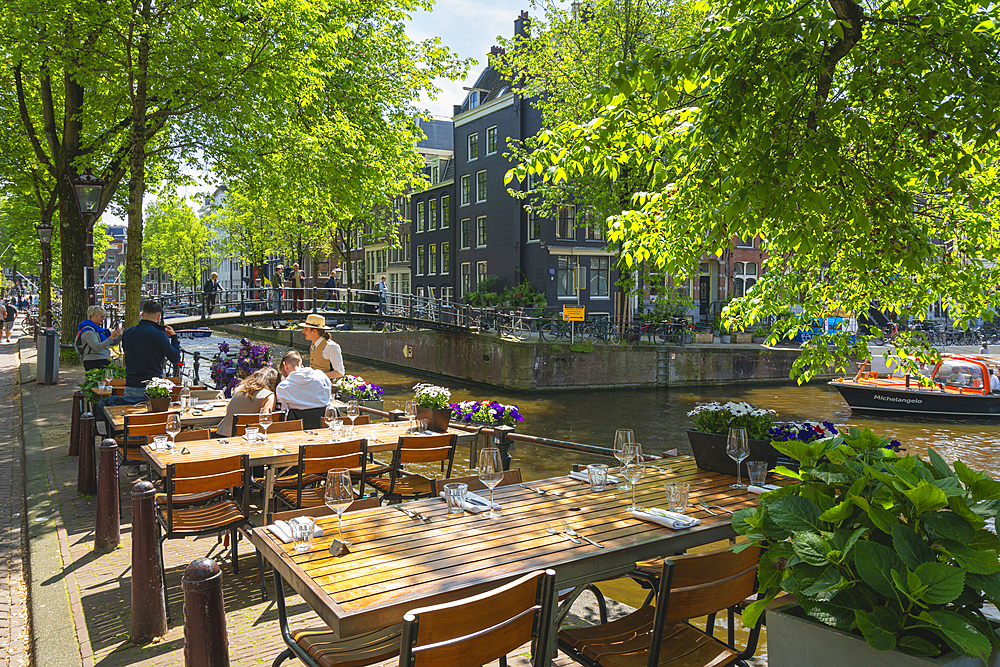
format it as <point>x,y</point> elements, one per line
<point>315,321</point>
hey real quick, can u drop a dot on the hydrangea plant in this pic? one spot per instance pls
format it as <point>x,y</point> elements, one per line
<point>431,396</point>
<point>355,385</point>
<point>227,372</point>
<point>718,417</point>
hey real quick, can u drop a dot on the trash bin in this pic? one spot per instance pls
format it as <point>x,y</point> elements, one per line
<point>48,357</point>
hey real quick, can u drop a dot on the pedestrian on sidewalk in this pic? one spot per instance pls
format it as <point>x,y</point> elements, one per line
<point>278,281</point>
<point>10,314</point>
<point>212,289</point>
<point>93,342</point>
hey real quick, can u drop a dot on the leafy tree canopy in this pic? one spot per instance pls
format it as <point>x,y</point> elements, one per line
<point>176,242</point>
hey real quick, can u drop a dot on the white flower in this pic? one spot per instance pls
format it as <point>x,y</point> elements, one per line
<point>160,383</point>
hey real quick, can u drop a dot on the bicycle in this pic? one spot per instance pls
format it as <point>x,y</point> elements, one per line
<point>552,331</point>
<point>602,332</point>
<point>515,324</point>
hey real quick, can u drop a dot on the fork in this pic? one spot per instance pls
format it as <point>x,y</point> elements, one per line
<point>541,492</point>
<point>563,535</point>
<point>704,507</point>
<point>413,514</point>
<point>569,531</point>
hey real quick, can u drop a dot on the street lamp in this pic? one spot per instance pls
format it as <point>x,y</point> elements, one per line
<point>44,229</point>
<point>88,189</point>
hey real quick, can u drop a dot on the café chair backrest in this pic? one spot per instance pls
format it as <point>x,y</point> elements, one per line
<point>509,477</point>
<point>252,419</point>
<point>207,395</point>
<point>276,427</point>
<point>360,420</point>
<point>189,436</point>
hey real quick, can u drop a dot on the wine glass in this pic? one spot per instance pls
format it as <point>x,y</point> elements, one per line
<point>338,496</point>
<point>490,474</point>
<point>623,437</point>
<point>329,416</point>
<point>265,420</point>
<point>353,410</point>
<point>173,427</point>
<point>633,470</point>
<point>410,412</point>
<point>738,449</point>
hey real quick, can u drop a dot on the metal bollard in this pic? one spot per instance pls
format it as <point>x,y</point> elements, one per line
<point>396,415</point>
<point>74,429</point>
<point>107,535</point>
<point>149,607</point>
<point>501,440</point>
<point>206,642</point>
<point>86,476</point>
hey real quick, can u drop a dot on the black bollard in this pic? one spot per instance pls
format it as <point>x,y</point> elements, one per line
<point>108,530</point>
<point>149,608</point>
<point>86,477</point>
<point>206,642</point>
<point>396,415</point>
<point>74,429</point>
<point>505,444</point>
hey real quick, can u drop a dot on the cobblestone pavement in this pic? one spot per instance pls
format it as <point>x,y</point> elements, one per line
<point>15,629</point>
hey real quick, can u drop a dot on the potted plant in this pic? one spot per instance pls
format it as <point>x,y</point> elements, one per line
<point>713,421</point>
<point>365,393</point>
<point>432,405</point>
<point>759,335</point>
<point>486,413</point>
<point>93,377</point>
<point>158,394</point>
<point>890,557</point>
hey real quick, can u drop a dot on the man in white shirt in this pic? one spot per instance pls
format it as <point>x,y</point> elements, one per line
<point>995,381</point>
<point>305,391</point>
<point>324,352</point>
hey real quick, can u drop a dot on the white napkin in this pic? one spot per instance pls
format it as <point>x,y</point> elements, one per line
<point>478,504</point>
<point>762,489</point>
<point>664,518</point>
<point>582,476</point>
<point>283,531</point>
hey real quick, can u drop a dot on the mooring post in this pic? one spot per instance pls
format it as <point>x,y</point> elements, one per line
<point>197,367</point>
<point>107,534</point>
<point>206,642</point>
<point>74,429</point>
<point>501,440</point>
<point>86,477</point>
<point>149,607</point>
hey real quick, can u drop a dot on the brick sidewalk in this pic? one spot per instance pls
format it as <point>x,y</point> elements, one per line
<point>15,630</point>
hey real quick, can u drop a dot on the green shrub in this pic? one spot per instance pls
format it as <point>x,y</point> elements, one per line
<point>524,295</point>
<point>582,347</point>
<point>68,357</point>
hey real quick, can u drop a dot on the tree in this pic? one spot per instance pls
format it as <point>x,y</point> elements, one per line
<point>177,242</point>
<point>858,140</point>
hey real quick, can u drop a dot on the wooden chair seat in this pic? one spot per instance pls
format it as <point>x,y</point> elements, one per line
<point>329,650</point>
<point>130,455</point>
<point>289,481</point>
<point>315,461</point>
<point>373,470</point>
<point>311,497</point>
<point>415,449</point>
<point>207,517</point>
<point>190,498</point>
<point>625,643</point>
<point>407,486</point>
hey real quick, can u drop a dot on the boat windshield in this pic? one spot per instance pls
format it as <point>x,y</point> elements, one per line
<point>959,374</point>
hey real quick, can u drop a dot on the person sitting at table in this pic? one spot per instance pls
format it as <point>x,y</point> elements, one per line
<point>305,391</point>
<point>324,354</point>
<point>254,395</point>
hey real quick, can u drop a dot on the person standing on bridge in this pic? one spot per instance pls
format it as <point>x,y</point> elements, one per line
<point>383,293</point>
<point>212,288</point>
<point>277,282</point>
<point>324,354</point>
<point>298,287</point>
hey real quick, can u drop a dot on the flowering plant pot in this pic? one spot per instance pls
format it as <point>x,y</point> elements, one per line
<point>158,404</point>
<point>431,396</point>
<point>438,419</point>
<point>354,386</point>
<point>159,388</point>
<point>709,451</point>
<point>486,413</point>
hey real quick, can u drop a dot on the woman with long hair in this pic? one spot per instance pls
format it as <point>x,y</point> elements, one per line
<point>254,394</point>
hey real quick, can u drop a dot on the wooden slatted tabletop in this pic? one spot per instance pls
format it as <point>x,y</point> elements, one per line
<point>398,563</point>
<point>210,416</point>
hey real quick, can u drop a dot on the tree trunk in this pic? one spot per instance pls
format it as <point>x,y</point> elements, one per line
<point>137,177</point>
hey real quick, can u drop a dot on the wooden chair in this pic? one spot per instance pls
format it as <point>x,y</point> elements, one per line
<point>360,420</point>
<point>689,587</point>
<point>117,386</point>
<point>252,419</point>
<point>415,449</point>
<point>482,628</point>
<point>191,498</point>
<point>200,477</point>
<point>318,647</point>
<point>315,460</point>
<point>509,477</point>
<point>312,417</point>
<point>276,427</point>
<point>207,395</point>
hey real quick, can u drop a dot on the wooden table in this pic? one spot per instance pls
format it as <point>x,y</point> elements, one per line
<point>397,563</point>
<point>382,437</point>
<point>208,418</point>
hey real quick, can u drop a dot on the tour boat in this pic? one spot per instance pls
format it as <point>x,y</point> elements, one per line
<point>958,386</point>
<point>194,333</point>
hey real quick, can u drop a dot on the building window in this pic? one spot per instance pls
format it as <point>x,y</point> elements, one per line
<point>466,279</point>
<point>405,283</point>
<point>481,231</point>
<point>406,247</point>
<point>394,283</point>
<point>744,243</point>
<point>491,140</point>
<point>447,293</point>
<point>445,258</point>
<point>420,216</point>
<point>566,222</point>
<point>432,224</point>
<point>432,259</point>
<point>565,275</point>
<point>420,260</point>
<point>473,147</point>
<point>534,227</point>
<point>435,174</point>
<point>466,189</point>
<point>480,273</point>
<point>599,275</point>
<point>430,291</point>
<point>464,233</point>
<point>595,229</point>
<point>420,291</point>
<point>480,186</point>
<point>744,277</point>
<point>445,211</point>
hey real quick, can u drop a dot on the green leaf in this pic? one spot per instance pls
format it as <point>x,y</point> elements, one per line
<point>967,475</point>
<point>911,547</point>
<point>875,563</point>
<point>755,609</point>
<point>944,582</point>
<point>810,548</point>
<point>881,518</point>
<point>960,634</point>
<point>926,497</point>
<point>831,613</point>
<point>949,525</point>
<point>878,627</point>
<point>970,557</point>
<point>939,465</point>
<point>989,584</point>
<point>795,513</point>
<point>838,512</point>
<point>827,584</point>
<point>918,646</point>
<point>985,489</point>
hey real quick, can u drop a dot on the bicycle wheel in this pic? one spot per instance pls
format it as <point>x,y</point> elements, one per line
<point>520,330</point>
<point>614,335</point>
<point>549,332</point>
<point>589,333</point>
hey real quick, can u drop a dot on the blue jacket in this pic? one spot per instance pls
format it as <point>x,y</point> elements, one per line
<point>145,348</point>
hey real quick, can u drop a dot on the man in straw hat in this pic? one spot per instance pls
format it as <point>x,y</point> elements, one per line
<point>324,353</point>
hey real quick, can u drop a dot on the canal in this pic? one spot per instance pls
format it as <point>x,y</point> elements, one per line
<point>659,417</point>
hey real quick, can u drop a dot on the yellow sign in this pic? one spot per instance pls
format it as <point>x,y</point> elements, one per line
<point>573,313</point>
<point>408,351</point>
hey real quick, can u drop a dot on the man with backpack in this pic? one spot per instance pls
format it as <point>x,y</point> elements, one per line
<point>10,314</point>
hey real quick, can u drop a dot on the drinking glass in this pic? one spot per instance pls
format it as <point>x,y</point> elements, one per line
<point>410,410</point>
<point>160,443</point>
<point>302,532</point>
<point>251,434</point>
<point>329,416</point>
<point>758,472</point>
<point>490,474</point>
<point>352,409</point>
<point>677,496</point>
<point>454,493</point>
<point>173,427</point>
<point>738,449</point>
<point>623,437</point>
<point>598,475</point>
<point>265,420</point>
<point>338,496</point>
<point>633,471</point>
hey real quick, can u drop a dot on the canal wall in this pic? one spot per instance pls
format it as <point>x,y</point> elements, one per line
<point>539,366</point>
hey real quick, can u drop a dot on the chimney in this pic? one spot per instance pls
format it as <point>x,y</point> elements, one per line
<point>456,109</point>
<point>522,26</point>
<point>494,50</point>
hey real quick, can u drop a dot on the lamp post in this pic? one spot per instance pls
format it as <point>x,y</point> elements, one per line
<point>44,229</point>
<point>88,189</point>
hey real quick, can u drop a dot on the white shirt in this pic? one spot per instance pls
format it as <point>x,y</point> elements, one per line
<point>304,388</point>
<point>331,353</point>
<point>994,382</point>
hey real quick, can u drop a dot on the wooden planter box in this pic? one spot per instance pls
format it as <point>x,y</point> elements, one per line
<point>795,640</point>
<point>703,338</point>
<point>437,420</point>
<point>744,338</point>
<point>709,451</point>
<point>758,339</point>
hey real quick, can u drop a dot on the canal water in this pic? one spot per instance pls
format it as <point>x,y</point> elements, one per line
<point>659,417</point>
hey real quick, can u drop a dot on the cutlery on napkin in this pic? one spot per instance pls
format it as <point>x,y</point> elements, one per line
<point>283,531</point>
<point>662,517</point>
<point>474,503</point>
<point>762,489</point>
<point>582,476</point>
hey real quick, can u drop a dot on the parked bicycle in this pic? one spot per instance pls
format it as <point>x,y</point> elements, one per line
<point>515,324</point>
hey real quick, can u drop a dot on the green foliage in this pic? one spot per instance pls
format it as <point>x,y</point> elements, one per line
<point>523,295</point>
<point>68,357</point>
<point>176,242</point>
<point>892,548</point>
<point>486,294</point>
<point>582,347</point>
<point>859,141</point>
<point>93,377</point>
<point>666,307</point>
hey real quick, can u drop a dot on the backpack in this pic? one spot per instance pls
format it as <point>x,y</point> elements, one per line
<point>78,344</point>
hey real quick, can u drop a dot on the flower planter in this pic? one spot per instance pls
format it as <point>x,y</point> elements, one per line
<point>437,420</point>
<point>158,404</point>
<point>744,338</point>
<point>372,405</point>
<point>758,339</point>
<point>725,338</point>
<point>793,640</point>
<point>710,453</point>
<point>703,338</point>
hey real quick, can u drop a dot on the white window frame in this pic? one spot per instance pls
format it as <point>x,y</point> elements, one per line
<point>482,271</point>
<point>534,231</point>
<point>491,131</point>
<point>465,233</point>
<point>445,258</point>
<point>420,216</point>
<point>596,272</point>
<point>432,217</point>
<point>472,141</point>
<point>445,211</point>
<point>481,231</point>
<point>465,278</point>
<point>465,190</point>
<point>572,223</point>
<point>481,192</point>
<point>432,259</point>
<point>740,243</point>
<point>421,255</point>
